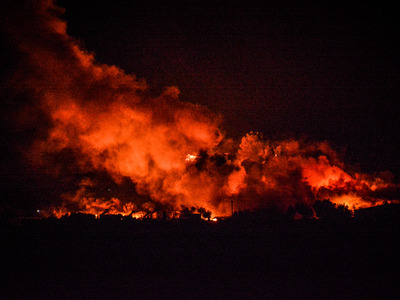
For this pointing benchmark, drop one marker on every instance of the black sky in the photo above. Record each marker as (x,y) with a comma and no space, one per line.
(323,71)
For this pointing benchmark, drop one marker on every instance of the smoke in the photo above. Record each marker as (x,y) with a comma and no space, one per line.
(89,118)
(289,172)
(98,118)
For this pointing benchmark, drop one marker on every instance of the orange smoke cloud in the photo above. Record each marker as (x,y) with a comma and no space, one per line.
(287,173)
(107,118)
(106,121)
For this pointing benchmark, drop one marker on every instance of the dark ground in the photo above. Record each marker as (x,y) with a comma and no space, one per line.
(253,259)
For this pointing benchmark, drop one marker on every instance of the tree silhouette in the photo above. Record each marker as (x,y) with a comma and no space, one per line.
(207,215)
(325,209)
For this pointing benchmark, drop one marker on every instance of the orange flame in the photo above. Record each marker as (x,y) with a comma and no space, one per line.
(110,123)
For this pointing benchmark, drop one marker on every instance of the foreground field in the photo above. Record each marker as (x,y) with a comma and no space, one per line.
(309,259)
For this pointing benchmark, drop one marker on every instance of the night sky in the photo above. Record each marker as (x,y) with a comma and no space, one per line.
(321,71)
(315,72)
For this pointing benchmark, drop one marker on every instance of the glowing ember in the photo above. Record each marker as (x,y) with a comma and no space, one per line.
(190,158)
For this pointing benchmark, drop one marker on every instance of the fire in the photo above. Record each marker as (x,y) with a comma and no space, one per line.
(104,121)
(351,201)
(320,173)
(190,158)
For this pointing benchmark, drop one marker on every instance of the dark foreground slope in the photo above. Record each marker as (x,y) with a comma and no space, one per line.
(100,259)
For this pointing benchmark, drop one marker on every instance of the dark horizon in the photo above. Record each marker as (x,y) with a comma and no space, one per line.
(241,258)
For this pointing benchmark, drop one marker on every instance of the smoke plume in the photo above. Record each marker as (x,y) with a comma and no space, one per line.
(96,126)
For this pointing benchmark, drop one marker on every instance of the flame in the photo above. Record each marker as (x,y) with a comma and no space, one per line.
(190,158)
(103,120)
(351,200)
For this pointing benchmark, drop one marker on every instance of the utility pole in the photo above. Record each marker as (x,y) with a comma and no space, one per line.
(232,206)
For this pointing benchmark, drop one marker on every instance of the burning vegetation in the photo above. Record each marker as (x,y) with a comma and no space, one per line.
(113,148)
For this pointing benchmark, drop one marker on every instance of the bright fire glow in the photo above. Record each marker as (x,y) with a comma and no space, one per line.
(104,121)
(190,158)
